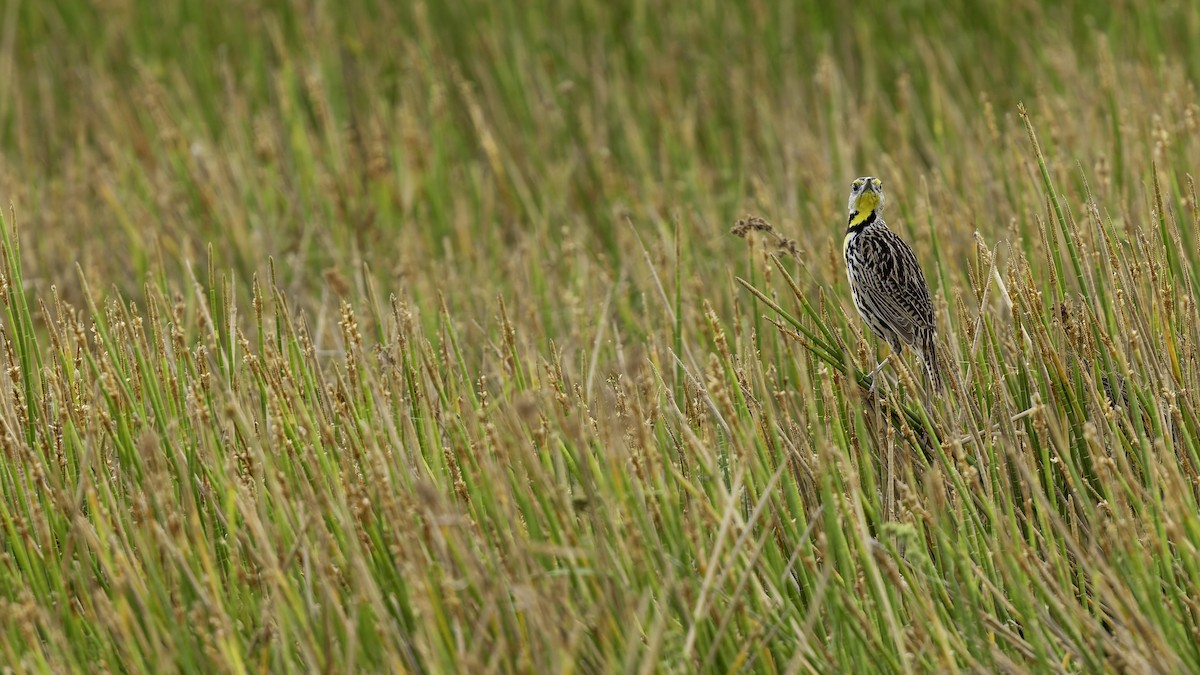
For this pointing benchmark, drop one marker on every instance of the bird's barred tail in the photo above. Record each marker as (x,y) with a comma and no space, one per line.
(929,354)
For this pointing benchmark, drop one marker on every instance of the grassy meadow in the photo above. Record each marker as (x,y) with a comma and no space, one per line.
(476,336)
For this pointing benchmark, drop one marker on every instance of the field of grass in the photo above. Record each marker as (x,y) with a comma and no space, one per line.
(413,337)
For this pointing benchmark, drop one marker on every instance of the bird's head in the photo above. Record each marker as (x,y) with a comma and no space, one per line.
(866,198)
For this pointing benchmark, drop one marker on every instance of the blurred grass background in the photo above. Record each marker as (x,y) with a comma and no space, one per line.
(371,335)
(333,134)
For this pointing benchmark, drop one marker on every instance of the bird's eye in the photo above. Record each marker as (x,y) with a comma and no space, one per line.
(856,184)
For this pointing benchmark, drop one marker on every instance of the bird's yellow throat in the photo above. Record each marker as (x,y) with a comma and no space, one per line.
(864,207)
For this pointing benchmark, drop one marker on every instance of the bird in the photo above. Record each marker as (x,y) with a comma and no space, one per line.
(889,289)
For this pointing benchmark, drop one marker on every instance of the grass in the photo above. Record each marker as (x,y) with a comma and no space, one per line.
(412,337)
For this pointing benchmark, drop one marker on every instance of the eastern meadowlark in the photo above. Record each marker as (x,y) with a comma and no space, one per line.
(889,289)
